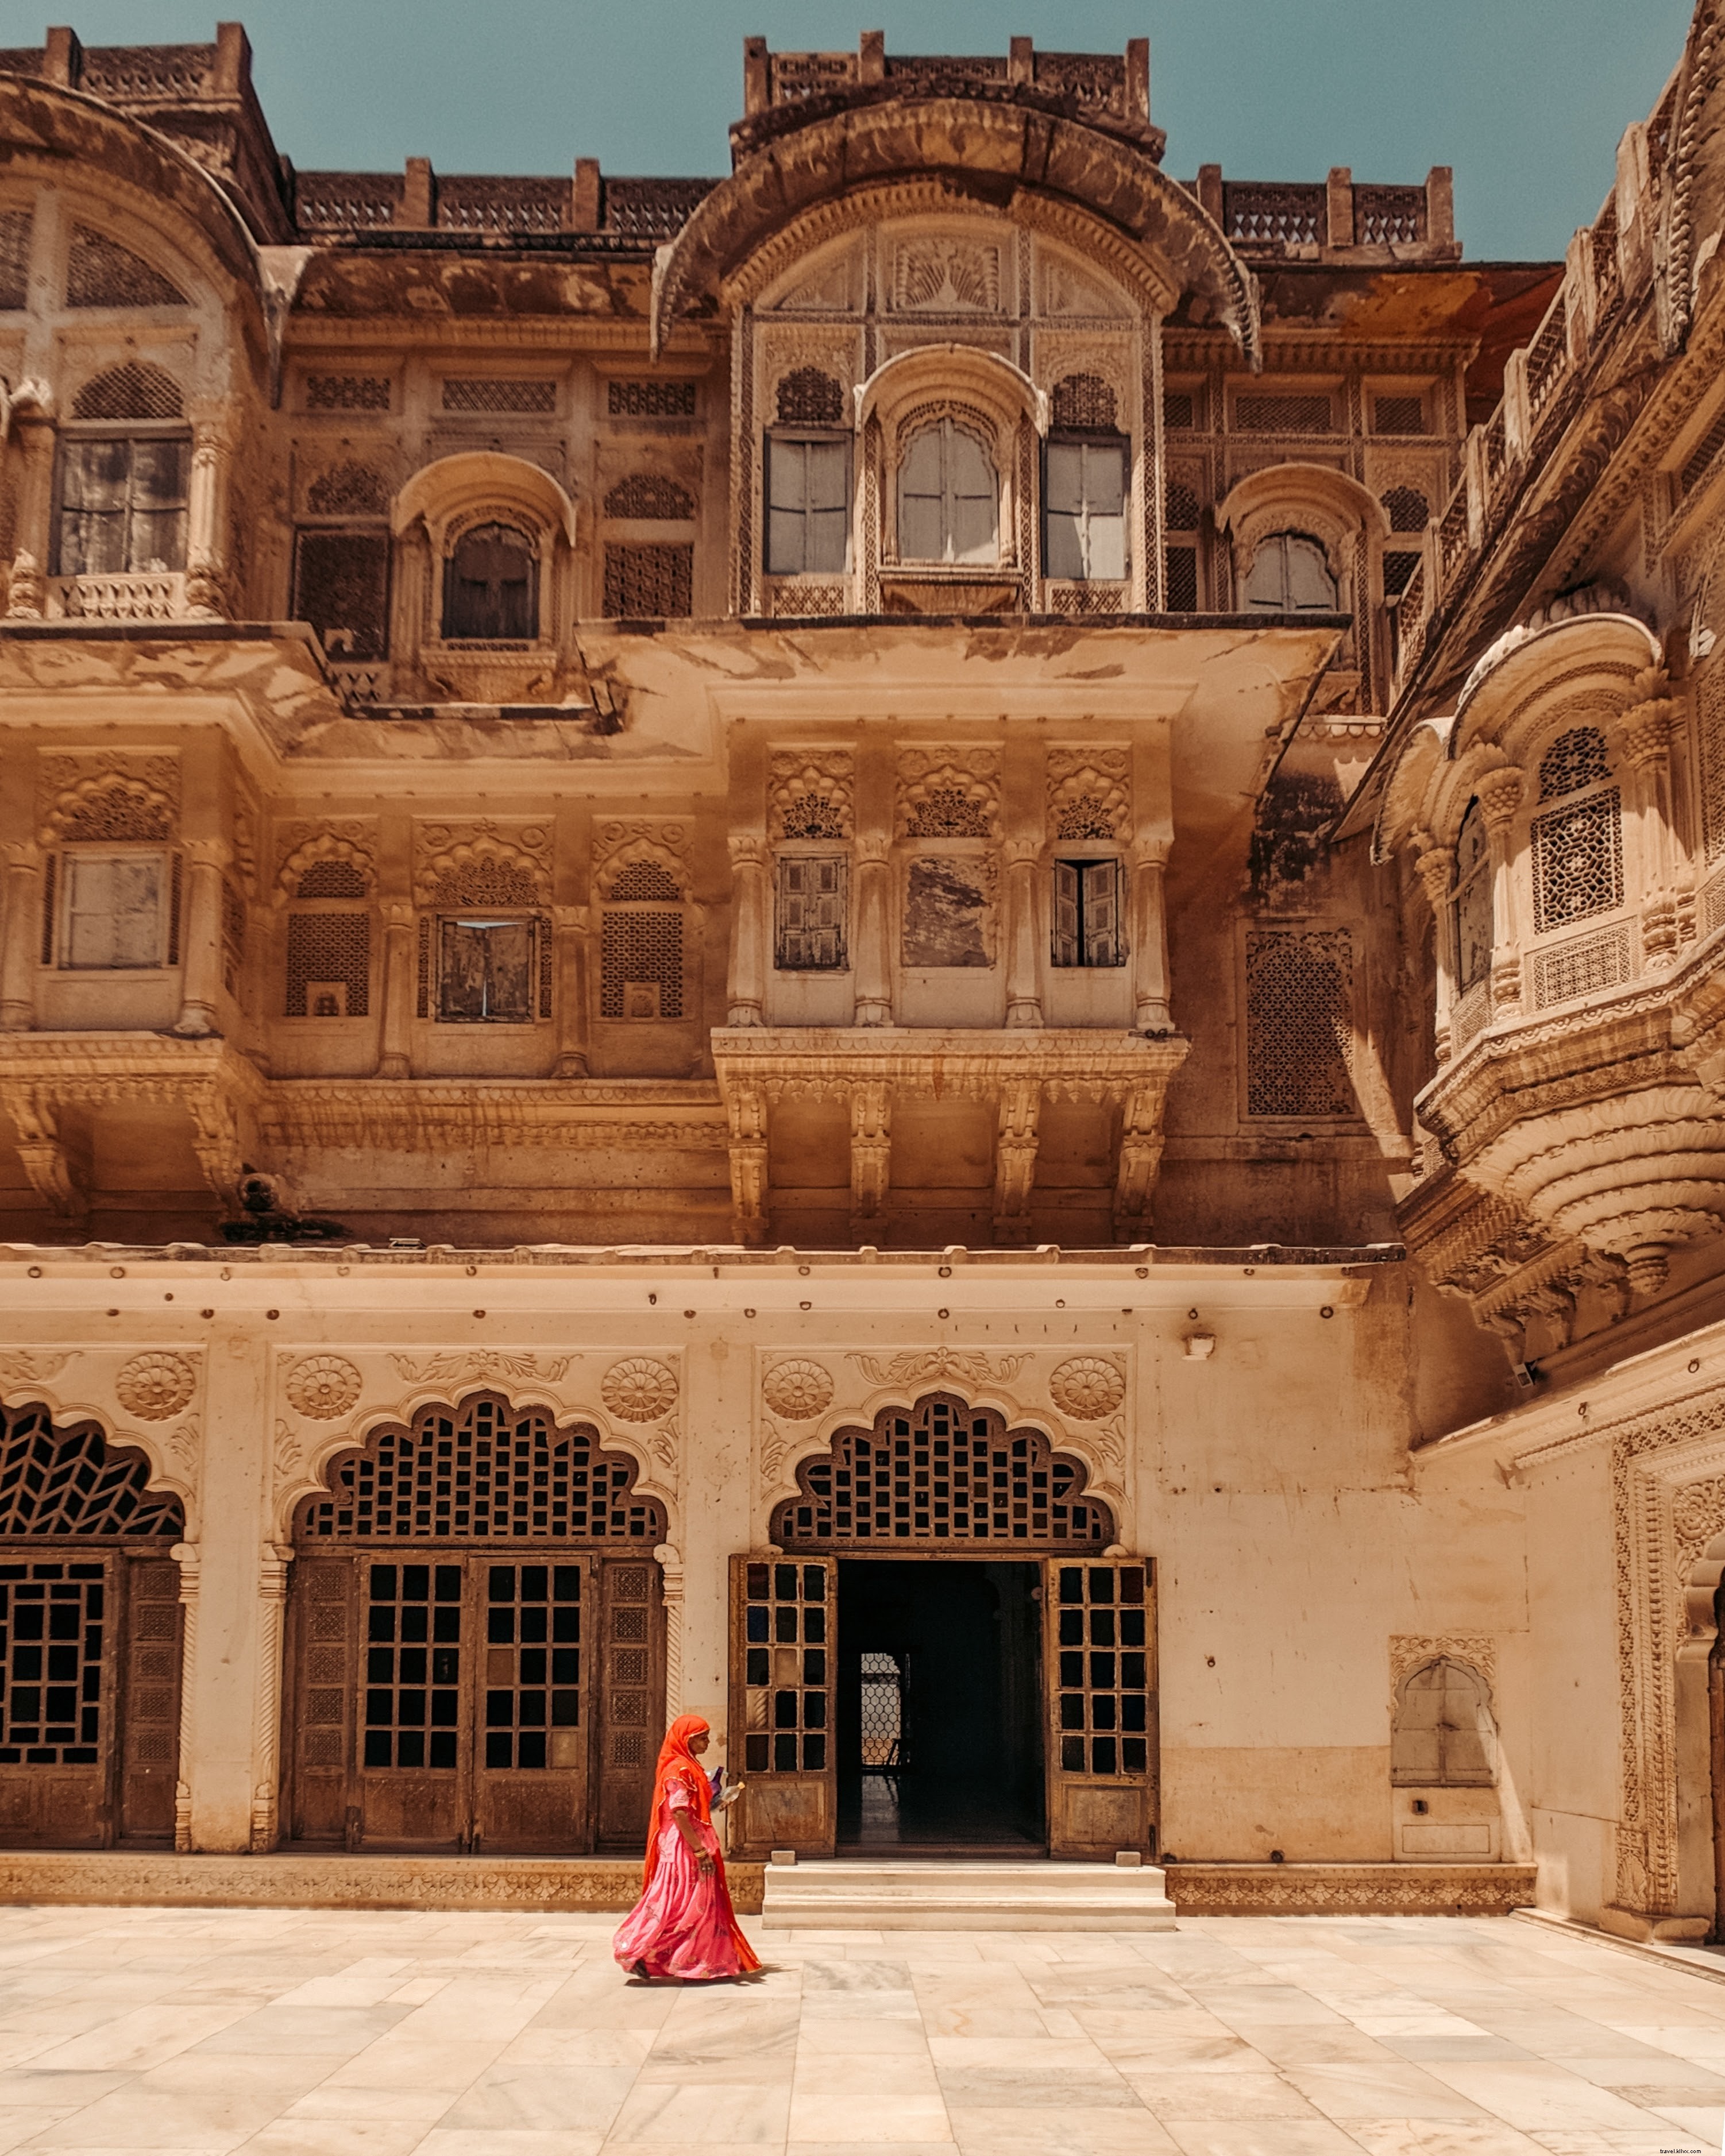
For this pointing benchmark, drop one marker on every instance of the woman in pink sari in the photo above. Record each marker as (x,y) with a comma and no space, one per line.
(683,1926)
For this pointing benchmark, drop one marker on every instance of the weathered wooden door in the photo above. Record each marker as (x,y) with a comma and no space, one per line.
(783,1638)
(531,1744)
(149,1699)
(627,1660)
(1099,1658)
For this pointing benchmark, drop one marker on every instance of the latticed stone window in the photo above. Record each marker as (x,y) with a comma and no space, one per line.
(329,963)
(133,391)
(1710,727)
(348,392)
(349,489)
(14,257)
(101,273)
(948,812)
(641,945)
(341,589)
(1577,861)
(1472,902)
(647,494)
(1574,761)
(1299,1023)
(807,397)
(1083,403)
(1407,509)
(649,584)
(1399,415)
(809,915)
(1270,414)
(1181,409)
(499,394)
(650,400)
(332,879)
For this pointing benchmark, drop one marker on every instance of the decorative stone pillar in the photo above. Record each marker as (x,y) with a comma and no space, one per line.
(208,597)
(1149,938)
(266,1718)
(747,995)
(873,960)
(1647,734)
(1436,867)
(21,944)
(569,924)
(186,1556)
(399,983)
(27,594)
(1500,797)
(870,1157)
(201,944)
(1015,1144)
(670,1563)
(1024,973)
(746,1113)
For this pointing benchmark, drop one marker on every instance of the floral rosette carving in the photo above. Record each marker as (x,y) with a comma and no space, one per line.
(155,1386)
(638,1389)
(322,1386)
(798,1390)
(1087,1387)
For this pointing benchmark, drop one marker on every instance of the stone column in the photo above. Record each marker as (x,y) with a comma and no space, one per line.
(399,983)
(746,1111)
(1023,971)
(1436,867)
(208,596)
(27,593)
(1015,1144)
(201,937)
(870,1157)
(21,945)
(873,960)
(1500,796)
(1646,744)
(1151,1010)
(186,1556)
(671,1563)
(266,1709)
(748,992)
(569,924)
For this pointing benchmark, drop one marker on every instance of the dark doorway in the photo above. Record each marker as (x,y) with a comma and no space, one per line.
(939,1706)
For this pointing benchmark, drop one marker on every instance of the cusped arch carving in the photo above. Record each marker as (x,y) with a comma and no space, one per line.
(628,874)
(480,1469)
(1006,1489)
(486,871)
(326,847)
(1071,166)
(1314,499)
(69,1479)
(954,376)
(477,487)
(109,808)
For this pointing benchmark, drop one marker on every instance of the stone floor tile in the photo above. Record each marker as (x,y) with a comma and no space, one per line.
(394,2062)
(1537,2095)
(538,2045)
(1479,2044)
(819,2114)
(22,2123)
(1030,2087)
(145,2037)
(982,2131)
(274,2028)
(337,2137)
(566,2099)
(1440,2136)
(1208,2096)
(527,2141)
(1300,2044)
(704,2112)
(1277,2136)
(1142,2049)
(1392,2090)
(836,2036)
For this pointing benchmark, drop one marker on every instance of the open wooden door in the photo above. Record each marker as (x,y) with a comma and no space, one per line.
(783,1637)
(1099,1647)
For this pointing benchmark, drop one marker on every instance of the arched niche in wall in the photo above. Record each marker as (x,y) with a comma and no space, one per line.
(495,534)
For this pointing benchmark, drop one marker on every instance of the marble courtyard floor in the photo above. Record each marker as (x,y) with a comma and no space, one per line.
(319,2031)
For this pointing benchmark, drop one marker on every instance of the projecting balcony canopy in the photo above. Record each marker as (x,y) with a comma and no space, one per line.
(990,153)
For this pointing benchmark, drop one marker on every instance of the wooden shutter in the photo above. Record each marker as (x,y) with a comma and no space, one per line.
(786,507)
(628,1667)
(534,1735)
(973,492)
(321,1692)
(113,910)
(1105,509)
(810,937)
(1099,1647)
(1101,910)
(783,1642)
(921,526)
(1063,510)
(150,1740)
(827,545)
(1065,950)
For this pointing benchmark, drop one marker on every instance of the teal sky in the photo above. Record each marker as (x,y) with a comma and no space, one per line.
(1525,98)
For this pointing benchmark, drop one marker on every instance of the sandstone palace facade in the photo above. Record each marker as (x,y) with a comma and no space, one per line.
(926,947)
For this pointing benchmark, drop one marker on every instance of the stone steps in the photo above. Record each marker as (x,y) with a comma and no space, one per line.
(939,1895)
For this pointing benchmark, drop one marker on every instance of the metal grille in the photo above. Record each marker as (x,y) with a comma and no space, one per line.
(1577,861)
(786,1668)
(1282,415)
(341,589)
(413,1666)
(942,1474)
(1582,967)
(333,949)
(349,489)
(646,494)
(51,1627)
(135,391)
(1407,509)
(479,1470)
(532,1665)
(1574,760)
(648,583)
(488,394)
(1299,1026)
(641,965)
(68,1482)
(807,397)
(1399,415)
(100,273)
(883,1677)
(348,392)
(1399,573)
(1104,1676)
(650,400)
(1084,403)
(14,257)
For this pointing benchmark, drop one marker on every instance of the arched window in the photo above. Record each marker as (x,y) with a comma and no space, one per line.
(1578,846)
(490,585)
(1444,1736)
(1291,574)
(125,468)
(1472,901)
(948,498)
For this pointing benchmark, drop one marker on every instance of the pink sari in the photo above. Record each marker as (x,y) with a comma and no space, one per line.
(683,1926)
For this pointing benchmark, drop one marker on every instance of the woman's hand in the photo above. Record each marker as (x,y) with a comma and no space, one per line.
(703,1863)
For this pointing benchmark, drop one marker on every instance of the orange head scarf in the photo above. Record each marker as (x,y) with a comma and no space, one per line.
(677,1763)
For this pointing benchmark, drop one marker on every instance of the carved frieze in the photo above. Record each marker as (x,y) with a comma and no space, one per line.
(935,1366)
(947,276)
(798,1390)
(638,1389)
(1089,795)
(1411,1650)
(479,1366)
(155,1386)
(945,795)
(482,863)
(1087,1387)
(303,847)
(107,798)
(323,1388)
(25,1367)
(809,793)
(626,849)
